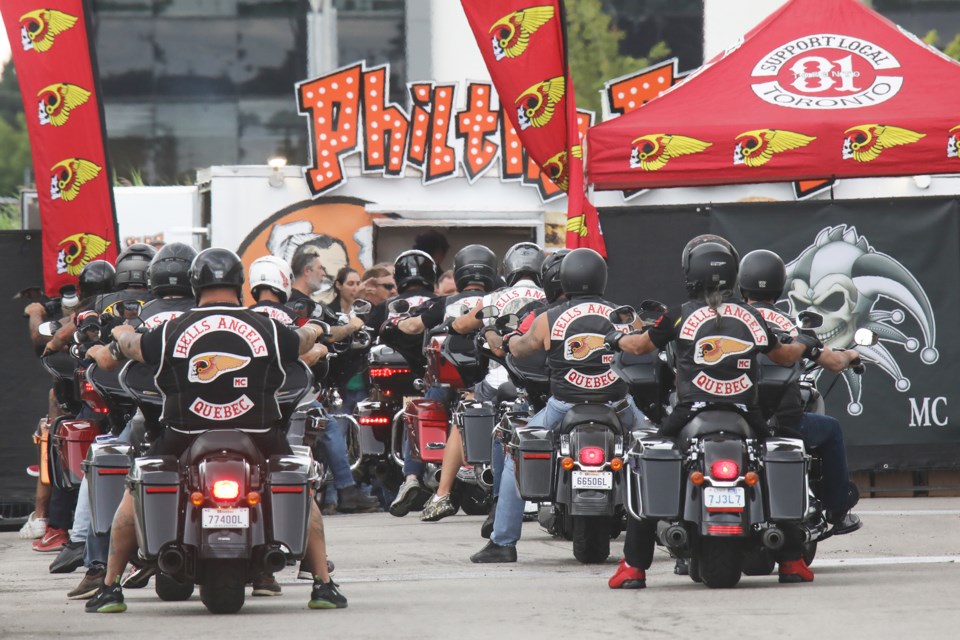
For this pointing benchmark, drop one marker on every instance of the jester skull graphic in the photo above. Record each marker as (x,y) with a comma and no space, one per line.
(841,277)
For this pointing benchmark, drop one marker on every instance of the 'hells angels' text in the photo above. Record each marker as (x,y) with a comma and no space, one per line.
(211,324)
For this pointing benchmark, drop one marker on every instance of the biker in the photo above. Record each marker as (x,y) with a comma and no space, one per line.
(475,273)
(762,278)
(574,378)
(710,267)
(216,276)
(169,281)
(521,272)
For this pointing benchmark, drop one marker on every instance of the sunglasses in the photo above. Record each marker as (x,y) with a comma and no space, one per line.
(388,286)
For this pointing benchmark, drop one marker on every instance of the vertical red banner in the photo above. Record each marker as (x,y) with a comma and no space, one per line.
(56,65)
(523,43)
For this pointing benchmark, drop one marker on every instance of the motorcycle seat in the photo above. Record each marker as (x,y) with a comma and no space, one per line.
(707,422)
(507,392)
(218,440)
(583,413)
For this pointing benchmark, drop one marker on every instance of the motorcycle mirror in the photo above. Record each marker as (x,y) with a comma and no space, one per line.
(489,312)
(651,307)
(623,315)
(810,319)
(361,307)
(75,351)
(865,338)
(131,309)
(361,340)
(48,329)
(399,306)
(509,322)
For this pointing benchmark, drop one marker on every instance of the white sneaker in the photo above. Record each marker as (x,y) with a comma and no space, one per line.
(33,528)
(406,497)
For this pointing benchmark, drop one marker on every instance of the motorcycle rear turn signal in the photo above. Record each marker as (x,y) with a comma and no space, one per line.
(253,498)
(751,478)
(696,478)
(196,498)
(567,463)
(616,464)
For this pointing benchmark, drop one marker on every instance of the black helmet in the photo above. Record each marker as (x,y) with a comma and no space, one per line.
(169,271)
(522,259)
(475,264)
(216,268)
(415,267)
(132,265)
(550,274)
(96,278)
(762,275)
(583,272)
(710,263)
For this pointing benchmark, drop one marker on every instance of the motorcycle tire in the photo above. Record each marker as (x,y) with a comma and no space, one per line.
(591,539)
(169,590)
(224,587)
(693,568)
(809,552)
(721,560)
(475,500)
(758,562)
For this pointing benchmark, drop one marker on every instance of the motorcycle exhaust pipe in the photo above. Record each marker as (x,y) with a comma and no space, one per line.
(171,561)
(274,561)
(675,537)
(773,539)
(485,477)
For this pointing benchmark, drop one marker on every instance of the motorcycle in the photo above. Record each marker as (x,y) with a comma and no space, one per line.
(222,513)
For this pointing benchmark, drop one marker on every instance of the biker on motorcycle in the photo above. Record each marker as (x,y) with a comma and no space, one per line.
(216,276)
(762,278)
(717,338)
(521,271)
(576,376)
(475,273)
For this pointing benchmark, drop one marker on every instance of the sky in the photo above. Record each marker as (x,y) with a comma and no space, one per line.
(4,45)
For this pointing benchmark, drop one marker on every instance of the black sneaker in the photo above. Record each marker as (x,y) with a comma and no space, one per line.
(109,599)
(494,553)
(305,573)
(326,595)
(69,559)
(847,524)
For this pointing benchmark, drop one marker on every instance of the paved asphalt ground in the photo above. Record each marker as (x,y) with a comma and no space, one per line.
(897,578)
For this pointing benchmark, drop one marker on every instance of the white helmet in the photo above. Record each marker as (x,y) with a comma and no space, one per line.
(273,272)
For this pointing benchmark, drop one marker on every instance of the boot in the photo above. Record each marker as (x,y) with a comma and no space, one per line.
(793,571)
(353,500)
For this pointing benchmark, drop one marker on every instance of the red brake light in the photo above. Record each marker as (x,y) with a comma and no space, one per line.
(374,421)
(226,490)
(386,372)
(592,456)
(724,470)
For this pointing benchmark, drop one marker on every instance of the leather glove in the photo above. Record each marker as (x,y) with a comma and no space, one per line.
(506,340)
(812,346)
(612,340)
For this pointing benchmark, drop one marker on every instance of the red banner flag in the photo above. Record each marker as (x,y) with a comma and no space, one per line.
(523,44)
(55,61)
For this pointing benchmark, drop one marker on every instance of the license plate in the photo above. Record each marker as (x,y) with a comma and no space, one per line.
(599,480)
(724,498)
(226,518)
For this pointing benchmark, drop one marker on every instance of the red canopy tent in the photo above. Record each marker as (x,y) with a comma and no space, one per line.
(820,89)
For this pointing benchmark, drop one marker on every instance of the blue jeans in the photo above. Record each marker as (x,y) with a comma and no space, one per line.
(340,481)
(823,433)
(413,467)
(509,518)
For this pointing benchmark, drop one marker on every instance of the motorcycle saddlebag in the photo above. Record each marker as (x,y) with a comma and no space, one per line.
(535,456)
(71,442)
(106,469)
(289,485)
(426,423)
(656,470)
(155,487)
(785,478)
(476,422)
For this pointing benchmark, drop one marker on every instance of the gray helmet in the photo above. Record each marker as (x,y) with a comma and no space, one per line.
(522,259)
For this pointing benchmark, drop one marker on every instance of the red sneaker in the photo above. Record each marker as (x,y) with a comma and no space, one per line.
(52,540)
(627,577)
(795,571)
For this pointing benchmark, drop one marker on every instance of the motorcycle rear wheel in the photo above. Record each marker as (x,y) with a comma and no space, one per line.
(758,562)
(809,552)
(224,586)
(474,500)
(170,590)
(591,539)
(721,560)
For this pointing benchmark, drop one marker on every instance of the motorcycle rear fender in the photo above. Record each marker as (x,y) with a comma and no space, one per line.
(585,502)
(224,543)
(720,447)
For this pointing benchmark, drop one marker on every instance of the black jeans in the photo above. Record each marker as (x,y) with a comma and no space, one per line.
(174,443)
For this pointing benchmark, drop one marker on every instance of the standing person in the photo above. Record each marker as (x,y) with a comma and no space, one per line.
(710,269)
(216,276)
(434,244)
(447,286)
(377,285)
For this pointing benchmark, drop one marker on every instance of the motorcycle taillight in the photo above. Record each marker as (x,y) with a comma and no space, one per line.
(374,421)
(724,470)
(386,372)
(592,456)
(88,393)
(226,490)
